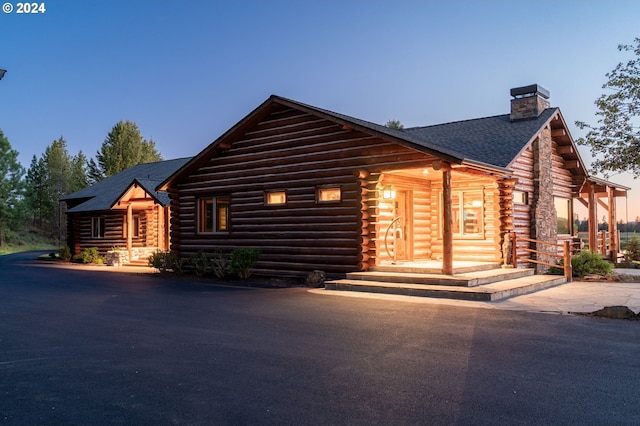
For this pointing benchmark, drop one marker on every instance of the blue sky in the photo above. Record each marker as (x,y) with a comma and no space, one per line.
(186,71)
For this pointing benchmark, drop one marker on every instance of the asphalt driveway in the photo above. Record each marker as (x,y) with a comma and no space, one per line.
(84,347)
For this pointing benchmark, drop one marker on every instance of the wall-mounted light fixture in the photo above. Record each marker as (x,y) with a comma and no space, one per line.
(388,193)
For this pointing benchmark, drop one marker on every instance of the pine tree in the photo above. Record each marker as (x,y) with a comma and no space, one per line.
(11,186)
(123,148)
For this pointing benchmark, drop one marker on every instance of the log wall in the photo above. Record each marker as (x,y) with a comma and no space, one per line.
(564,185)
(79,238)
(484,247)
(290,150)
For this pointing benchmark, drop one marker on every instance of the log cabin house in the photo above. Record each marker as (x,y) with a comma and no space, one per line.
(122,211)
(313,189)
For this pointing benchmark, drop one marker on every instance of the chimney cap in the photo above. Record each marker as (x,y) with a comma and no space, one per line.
(531,90)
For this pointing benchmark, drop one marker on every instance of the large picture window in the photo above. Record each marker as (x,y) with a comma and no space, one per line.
(213,215)
(563,214)
(97,227)
(467,213)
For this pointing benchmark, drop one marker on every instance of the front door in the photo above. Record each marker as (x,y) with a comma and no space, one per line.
(403,230)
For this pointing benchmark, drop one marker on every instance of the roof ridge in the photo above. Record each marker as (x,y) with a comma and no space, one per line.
(468,120)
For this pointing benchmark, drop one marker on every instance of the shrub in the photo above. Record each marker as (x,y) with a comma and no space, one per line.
(242,261)
(219,263)
(65,253)
(165,261)
(633,248)
(200,263)
(88,255)
(586,262)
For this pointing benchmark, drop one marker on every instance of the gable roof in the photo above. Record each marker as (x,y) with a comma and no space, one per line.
(489,143)
(104,195)
(415,141)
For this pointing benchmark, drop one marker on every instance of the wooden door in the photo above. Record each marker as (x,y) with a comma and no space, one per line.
(403,232)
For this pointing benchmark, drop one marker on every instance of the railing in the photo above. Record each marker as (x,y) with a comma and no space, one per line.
(565,256)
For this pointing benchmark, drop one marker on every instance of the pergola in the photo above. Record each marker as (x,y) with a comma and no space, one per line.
(600,192)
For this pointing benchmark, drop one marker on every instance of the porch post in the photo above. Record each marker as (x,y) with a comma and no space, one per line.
(447,232)
(593,220)
(129,226)
(613,226)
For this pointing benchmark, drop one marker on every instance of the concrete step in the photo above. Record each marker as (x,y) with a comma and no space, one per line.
(486,292)
(470,279)
(413,268)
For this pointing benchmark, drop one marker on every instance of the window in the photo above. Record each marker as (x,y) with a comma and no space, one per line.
(135,226)
(563,215)
(328,195)
(213,215)
(520,197)
(467,213)
(97,227)
(274,198)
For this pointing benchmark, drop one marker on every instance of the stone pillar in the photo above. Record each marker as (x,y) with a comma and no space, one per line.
(544,219)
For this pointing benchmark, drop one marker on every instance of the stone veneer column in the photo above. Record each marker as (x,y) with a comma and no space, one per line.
(544,217)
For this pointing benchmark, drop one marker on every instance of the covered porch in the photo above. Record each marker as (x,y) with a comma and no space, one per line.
(442,219)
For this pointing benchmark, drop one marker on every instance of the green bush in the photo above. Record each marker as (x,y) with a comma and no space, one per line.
(586,263)
(88,255)
(242,262)
(65,253)
(165,261)
(200,263)
(219,263)
(633,248)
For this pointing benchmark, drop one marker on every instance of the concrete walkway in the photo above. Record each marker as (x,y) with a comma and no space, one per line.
(575,297)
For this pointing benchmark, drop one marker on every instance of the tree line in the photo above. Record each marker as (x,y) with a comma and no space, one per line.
(30,198)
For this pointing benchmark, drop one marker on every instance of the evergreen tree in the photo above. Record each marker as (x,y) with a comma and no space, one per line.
(123,148)
(11,186)
(395,124)
(49,179)
(36,190)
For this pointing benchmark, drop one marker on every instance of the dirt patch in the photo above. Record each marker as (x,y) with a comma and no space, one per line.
(614,312)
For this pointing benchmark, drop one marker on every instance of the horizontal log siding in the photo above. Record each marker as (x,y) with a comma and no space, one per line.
(486,248)
(296,152)
(523,171)
(563,186)
(113,235)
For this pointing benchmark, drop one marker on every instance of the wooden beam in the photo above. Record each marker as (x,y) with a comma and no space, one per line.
(603,204)
(593,221)
(447,216)
(583,202)
(129,230)
(565,149)
(572,164)
(556,133)
(613,231)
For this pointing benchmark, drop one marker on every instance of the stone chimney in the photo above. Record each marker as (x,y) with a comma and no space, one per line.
(528,102)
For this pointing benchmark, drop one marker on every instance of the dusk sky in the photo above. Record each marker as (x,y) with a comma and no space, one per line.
(186,71)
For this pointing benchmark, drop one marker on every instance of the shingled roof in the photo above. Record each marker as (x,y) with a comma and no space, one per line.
(104,194)
(492,140)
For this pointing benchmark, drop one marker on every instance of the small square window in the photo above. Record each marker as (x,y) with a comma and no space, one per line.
(273,198)
(520,197)
(328,195)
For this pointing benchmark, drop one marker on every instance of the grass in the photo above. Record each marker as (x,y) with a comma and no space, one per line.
(27,239)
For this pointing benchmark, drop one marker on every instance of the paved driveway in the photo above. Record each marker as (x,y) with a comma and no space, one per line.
(83,347)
